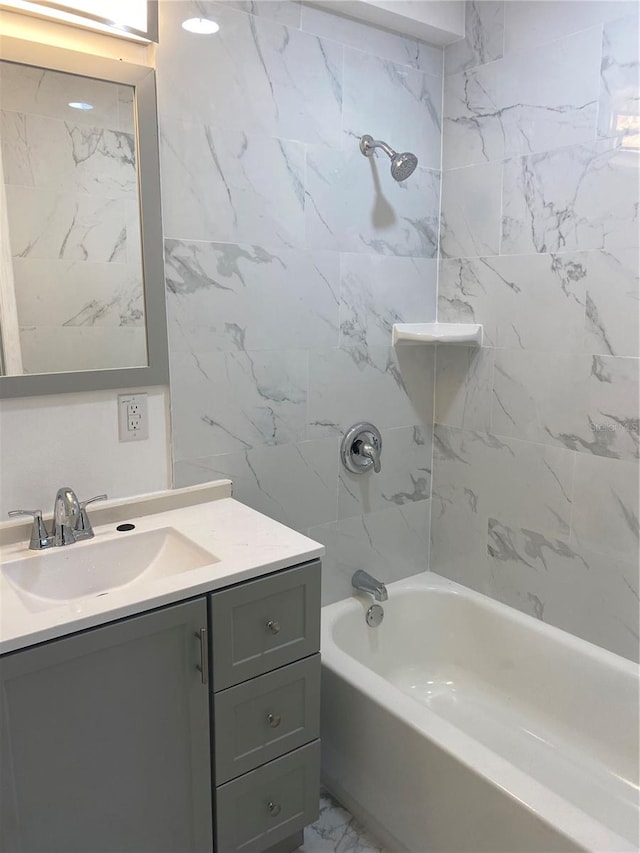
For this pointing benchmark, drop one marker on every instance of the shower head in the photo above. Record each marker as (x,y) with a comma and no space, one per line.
(402,165)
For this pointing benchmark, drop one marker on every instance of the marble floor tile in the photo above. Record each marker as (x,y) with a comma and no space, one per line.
(337,830)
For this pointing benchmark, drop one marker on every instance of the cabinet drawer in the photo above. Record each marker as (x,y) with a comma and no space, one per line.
(261,719)
(265,806)
(264,624)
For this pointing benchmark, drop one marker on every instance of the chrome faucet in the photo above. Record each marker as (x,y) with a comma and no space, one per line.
(70,521)
(367,583)
(66,515)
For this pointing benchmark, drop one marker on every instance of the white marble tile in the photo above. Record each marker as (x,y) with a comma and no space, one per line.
(230,187)
(484,35)
(38,151)
(372,39)
(472,116)
(58,349)
(375,384)
(294,78)
(605,511)
(533,101)
(470,219)
(458,535)
(464,383)
(405,475)
(530,22)
(285,12)
(377,291)
(224,296)
(619,113)
(390,544)
(37,91)
(394,103)
(338,831)
(354,205)
(523,301)
(126,112)
(578,401)
(224,402)
(524,484)
(293,483)
(70,227)
(582,197)
(613,303)
(78,293)
(590,595)
(550,94)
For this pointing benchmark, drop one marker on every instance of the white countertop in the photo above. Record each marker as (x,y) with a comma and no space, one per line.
(246,544)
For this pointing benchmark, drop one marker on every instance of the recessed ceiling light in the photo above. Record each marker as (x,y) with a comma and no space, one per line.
(80,105)
(202,26)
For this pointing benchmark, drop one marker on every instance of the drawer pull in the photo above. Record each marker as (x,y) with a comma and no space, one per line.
(274,627)
(203,666)
(273,720)
(274,809)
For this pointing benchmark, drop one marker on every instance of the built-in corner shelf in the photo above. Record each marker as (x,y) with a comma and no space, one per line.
(467,334)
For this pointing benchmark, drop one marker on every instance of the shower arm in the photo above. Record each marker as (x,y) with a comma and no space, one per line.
(367,144)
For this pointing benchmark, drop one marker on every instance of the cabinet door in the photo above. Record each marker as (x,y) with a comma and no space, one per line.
(105,740)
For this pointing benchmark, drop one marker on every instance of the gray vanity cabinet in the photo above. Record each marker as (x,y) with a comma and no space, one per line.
(105,740)
(122,738)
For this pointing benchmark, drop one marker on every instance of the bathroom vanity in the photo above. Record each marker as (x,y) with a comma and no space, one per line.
(182,716)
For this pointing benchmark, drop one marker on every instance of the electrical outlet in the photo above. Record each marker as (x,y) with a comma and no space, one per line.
(133,421)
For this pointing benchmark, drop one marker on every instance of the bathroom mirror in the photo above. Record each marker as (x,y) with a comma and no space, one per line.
(82,302)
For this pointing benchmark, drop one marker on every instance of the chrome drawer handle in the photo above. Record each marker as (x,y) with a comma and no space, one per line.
(274,627)
(274,809)
(273,720)
(203,666)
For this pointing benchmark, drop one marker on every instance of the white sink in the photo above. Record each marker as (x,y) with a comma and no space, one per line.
(95,568)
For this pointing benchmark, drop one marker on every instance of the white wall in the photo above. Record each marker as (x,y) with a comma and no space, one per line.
(72,440)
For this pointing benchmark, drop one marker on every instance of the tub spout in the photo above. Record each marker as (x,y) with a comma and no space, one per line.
(367,583)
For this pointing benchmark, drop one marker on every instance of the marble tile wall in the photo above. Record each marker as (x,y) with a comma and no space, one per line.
(72,200)
(288,258)
(536,443)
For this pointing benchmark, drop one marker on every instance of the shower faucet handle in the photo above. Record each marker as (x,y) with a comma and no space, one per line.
(361,448)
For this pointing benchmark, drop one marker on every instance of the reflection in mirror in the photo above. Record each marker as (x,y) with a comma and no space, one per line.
(71,283)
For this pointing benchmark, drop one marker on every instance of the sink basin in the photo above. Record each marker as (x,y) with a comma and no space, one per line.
(96,568)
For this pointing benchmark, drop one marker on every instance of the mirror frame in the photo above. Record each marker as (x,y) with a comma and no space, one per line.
(142,79)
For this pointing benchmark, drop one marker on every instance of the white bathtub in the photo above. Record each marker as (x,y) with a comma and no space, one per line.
(460,724)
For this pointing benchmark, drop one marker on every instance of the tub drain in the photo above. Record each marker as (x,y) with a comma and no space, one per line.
(375,615)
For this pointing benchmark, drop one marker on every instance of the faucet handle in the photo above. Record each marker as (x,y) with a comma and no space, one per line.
(39,536)
(83,528)
(83,504)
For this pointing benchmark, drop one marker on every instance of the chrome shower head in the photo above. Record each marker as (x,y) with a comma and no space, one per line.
(402,165)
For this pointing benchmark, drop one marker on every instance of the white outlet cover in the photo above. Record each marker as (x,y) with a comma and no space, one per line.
(140,421)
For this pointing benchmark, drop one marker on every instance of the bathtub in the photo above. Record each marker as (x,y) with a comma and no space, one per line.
(461,725)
